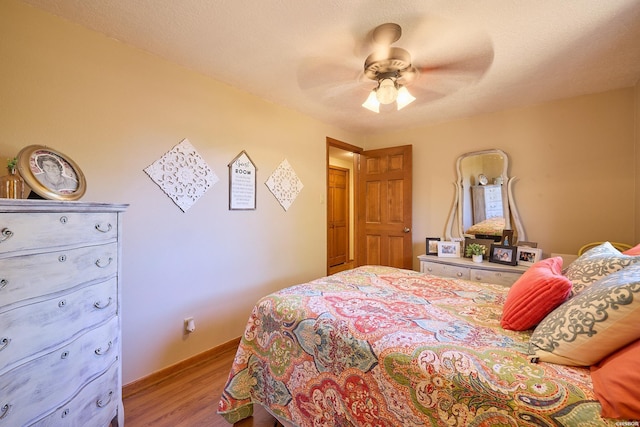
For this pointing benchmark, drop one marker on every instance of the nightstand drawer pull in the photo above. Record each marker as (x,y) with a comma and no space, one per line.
(5,411)
(4,342)
(100,352)
(62,258)
(3,283)
(62,303)
(101,306)
(6,234)
(459,274)
(103,264)
(101,403)
(100,228)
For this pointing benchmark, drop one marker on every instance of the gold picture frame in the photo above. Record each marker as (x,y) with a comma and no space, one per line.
(51,174)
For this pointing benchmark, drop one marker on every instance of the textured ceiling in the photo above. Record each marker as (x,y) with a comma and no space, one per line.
(308,55)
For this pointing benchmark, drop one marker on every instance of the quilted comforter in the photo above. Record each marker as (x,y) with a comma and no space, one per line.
(378,346)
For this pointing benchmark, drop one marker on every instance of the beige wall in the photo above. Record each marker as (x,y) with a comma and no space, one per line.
(115,110)
(636,190)
(574,160)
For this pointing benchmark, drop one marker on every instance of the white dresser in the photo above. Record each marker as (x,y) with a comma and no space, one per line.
(487,202)
(60,359)
(465,268)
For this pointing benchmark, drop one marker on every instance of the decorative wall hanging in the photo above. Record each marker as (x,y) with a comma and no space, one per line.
(284,184)
(182,174)
(242,183)
(50,174)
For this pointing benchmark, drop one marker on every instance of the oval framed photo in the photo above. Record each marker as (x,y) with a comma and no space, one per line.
(51,174)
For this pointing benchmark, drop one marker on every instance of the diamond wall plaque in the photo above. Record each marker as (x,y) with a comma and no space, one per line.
(182,174)
(284,184)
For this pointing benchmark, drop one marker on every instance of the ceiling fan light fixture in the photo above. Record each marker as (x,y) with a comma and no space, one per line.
(387,92)
(372,103)
(404,98)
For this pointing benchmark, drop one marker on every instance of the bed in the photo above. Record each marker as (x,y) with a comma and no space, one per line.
(379,346)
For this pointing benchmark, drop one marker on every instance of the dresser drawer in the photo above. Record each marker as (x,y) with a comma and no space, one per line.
(58,320)
(51,380)
(445,270)
(31,276)
(19,231)
(95,405)
(505,278)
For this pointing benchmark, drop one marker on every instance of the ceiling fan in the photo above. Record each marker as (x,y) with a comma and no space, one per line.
(438,57)
(391,68)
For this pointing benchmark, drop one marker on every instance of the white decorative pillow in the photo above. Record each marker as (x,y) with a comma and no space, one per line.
(598,321)
(595,264)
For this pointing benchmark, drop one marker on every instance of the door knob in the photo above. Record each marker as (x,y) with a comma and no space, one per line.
(406,229)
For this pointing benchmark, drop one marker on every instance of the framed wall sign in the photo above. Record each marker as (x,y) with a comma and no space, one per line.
(51,174)
(242,183)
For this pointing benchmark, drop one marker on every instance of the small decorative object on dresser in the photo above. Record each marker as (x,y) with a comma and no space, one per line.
(503,254)
(475,251)
(449,249)
(432,245)
(483,242)
(11,185)
(507,238)
(60,358)
(50,174)
(528,256)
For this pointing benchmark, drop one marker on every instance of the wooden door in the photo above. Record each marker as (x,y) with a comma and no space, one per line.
(338,221)
(384,213)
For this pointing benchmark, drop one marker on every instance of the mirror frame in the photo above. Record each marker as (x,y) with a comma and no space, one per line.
(512,217)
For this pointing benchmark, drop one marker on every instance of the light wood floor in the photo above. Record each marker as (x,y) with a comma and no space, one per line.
(189,399)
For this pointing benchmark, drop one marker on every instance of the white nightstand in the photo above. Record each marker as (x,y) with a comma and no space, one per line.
(465,268)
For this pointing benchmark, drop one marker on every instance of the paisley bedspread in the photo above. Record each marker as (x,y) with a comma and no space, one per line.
(378,346)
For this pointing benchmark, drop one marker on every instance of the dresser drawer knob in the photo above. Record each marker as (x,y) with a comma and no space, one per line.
(100,352)
(64,354)
(459,274)
(64,219)
(62,258)
(101,306)
(101,228)
(62,303)
(5,234)
(64,413)
(4,342)
(5,411)
(3,283)
(101,402)
(429,269)
(104,264)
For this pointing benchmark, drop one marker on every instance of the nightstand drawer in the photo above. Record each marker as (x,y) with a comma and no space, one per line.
(19,232)
(445,270)
(505,278)
(22,278)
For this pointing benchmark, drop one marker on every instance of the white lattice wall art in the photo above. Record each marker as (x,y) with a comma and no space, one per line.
(182,174)
(284,184)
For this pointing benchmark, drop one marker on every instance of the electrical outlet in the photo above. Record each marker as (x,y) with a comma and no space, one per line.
(189,325)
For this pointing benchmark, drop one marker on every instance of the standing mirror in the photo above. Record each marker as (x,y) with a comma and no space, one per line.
(483,205)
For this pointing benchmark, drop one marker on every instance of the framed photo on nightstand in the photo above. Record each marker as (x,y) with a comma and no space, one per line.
(449,249)
(432,245)
(528,256)
(503,254)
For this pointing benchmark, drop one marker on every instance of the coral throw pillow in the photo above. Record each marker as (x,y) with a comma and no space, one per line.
(535,294)
(633,251)
(615,383)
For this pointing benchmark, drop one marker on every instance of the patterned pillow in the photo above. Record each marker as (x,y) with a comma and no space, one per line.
(595,264)
(593,324)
